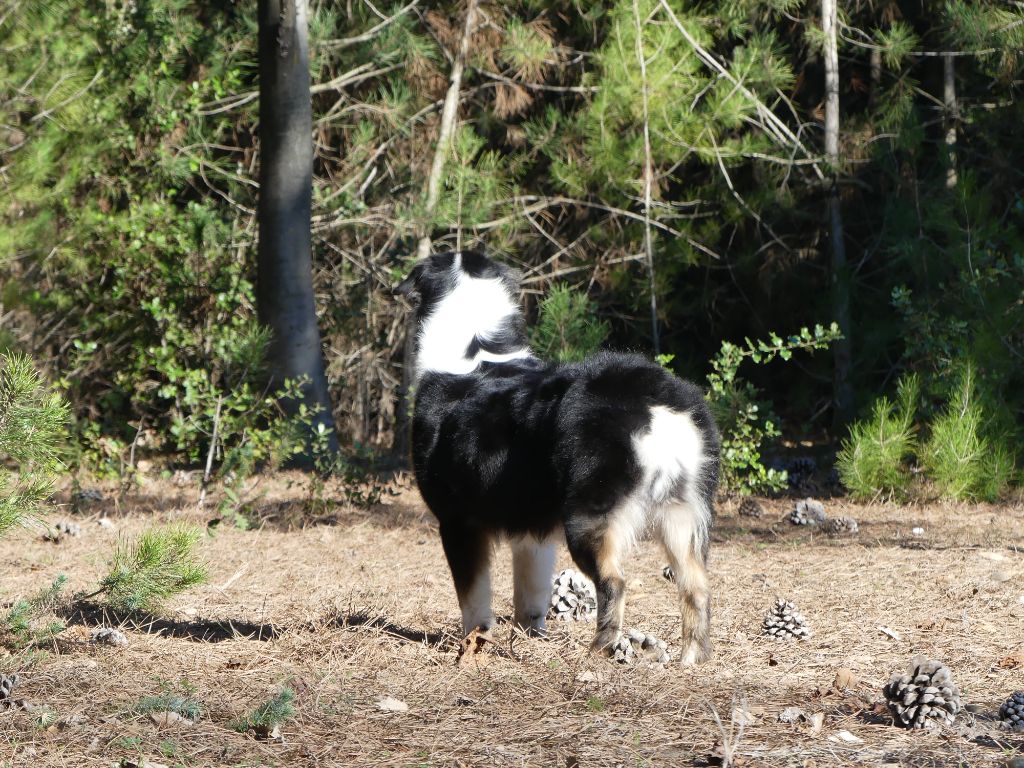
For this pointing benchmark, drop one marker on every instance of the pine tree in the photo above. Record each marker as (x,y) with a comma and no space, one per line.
(32,418)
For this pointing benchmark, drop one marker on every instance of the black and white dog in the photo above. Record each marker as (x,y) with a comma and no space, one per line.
(505,444)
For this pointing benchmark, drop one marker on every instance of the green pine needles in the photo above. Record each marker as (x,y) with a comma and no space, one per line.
(269,715)
(872,460)
(567,327)
(961,458)
(964,457)
(32,418)
(30,621)
(157,565)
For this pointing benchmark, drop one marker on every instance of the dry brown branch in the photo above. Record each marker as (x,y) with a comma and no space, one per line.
(448,114)
(371,33)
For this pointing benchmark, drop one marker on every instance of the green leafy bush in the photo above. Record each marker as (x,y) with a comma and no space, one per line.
(871,461)
(157,565)
(32,418)
(734,404)
(961,456)
(567,327)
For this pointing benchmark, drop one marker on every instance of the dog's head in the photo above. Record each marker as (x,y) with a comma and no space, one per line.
(437,276)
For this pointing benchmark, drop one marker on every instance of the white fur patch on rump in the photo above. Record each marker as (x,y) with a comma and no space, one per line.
(671,449)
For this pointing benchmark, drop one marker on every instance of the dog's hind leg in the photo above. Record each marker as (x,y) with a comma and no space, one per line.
(682,529)
(598,549)
(533,561)
(468,551)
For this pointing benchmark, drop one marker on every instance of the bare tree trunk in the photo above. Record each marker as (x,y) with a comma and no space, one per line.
(842,392)
(949,100)
(284,261)
(648,174)
(431,194)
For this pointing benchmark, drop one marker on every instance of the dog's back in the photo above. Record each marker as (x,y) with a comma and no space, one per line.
(520,447)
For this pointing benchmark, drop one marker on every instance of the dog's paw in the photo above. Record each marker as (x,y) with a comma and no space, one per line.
(633,646)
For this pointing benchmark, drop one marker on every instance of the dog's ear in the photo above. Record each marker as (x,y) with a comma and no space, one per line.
(409,288)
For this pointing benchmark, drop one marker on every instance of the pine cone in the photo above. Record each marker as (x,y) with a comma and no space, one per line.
(634,644)
(7,683)
(808,512)
(573,597)
(1012,712)
(108,636)
(840,525)
(750,508)
(924,696)
(62,529)
(783,622)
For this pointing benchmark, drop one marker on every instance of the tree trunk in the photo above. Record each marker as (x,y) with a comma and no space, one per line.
(842,392)
(949,100)
(284,289)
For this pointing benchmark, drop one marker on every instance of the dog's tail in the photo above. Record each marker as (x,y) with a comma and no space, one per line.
(678,455)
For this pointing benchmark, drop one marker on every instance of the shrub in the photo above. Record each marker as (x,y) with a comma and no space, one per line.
(871,460)
(961,457)
(157,565)
(567,328)
(31,420)
(734,404)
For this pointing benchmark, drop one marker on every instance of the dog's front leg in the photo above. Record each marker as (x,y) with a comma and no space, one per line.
(468,550)
(533,562)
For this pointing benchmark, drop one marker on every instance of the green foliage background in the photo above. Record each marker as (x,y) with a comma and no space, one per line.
(130,147)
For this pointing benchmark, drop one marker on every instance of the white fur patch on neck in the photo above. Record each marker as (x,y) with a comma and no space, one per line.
(475,308)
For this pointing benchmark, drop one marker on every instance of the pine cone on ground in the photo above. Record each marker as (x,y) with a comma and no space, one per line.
(750,508)
(62,529)
(573,597)
(924,696)
(808,512)
(837,526)
(7,683)
(108,636)
(784,622)
(634,644)
(1012,712)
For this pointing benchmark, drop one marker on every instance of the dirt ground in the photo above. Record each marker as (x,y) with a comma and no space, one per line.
(356,606)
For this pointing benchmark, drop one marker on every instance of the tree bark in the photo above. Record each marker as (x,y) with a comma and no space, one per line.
(842,387)
(284,289)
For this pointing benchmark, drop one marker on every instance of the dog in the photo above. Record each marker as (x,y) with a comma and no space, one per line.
(508,445)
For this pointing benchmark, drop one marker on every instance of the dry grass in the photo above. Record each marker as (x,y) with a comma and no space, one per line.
(360,607)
